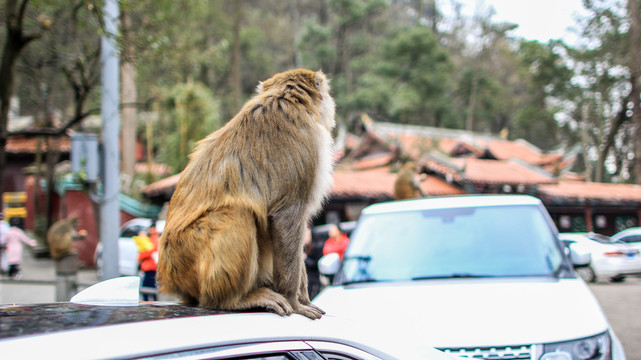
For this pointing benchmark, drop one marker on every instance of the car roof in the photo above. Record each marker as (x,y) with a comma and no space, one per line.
(32,319)
(457,201)
(628,231)
(150,329)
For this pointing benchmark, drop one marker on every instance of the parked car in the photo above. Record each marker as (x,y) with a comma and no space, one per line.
(479,276)
(127,248)
(630,235)
(609,258)
(168,331)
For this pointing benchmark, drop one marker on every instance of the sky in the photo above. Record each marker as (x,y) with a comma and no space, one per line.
(540,20)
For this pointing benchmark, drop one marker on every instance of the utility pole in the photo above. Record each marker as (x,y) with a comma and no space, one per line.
(109,205)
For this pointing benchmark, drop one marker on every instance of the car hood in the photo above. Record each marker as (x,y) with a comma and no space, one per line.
(473,312)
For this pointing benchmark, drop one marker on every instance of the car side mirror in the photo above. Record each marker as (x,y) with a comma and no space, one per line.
(328,265)
(579,258)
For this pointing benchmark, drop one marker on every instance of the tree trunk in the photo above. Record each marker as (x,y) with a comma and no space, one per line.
(469,122)
(585,142)
(129,99)
(15,41)
(635,74)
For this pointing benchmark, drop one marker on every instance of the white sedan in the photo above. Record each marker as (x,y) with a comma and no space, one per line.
(127,248)
(122,328)
(609,258)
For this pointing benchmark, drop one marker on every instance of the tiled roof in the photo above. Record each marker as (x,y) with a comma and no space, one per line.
(166,185)
(489,171)
(417,140)
(376,183)
(520,149)
(27,145)
(369,162)
(379,183)
(587,190)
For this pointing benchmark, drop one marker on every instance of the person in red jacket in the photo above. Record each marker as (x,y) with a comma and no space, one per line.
(337,242)
(148,262)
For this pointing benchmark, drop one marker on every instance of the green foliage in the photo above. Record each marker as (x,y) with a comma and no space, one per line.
(189,113)
(461,72)
(411,83)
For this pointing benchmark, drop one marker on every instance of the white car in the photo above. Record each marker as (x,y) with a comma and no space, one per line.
(168,331)
(127,248)
(609,258)
(477,276)
(631,236)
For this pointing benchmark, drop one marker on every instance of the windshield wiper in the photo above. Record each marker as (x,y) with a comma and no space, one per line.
(364,281)
(453,276)
(358,257)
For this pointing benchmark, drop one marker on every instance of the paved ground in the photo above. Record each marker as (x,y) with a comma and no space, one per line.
(620,301)
(38,282)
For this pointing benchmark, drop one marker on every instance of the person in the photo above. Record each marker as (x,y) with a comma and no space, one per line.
(311,266)
(148,259)
(14,238)
(4,228)
(337,242)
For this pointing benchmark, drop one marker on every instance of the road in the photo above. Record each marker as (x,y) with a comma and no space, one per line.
(621,303)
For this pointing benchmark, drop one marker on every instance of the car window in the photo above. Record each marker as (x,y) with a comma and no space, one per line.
(484,241)
(631,238)
(132,231)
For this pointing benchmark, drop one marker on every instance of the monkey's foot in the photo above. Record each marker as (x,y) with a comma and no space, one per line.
(269,299)
(311,311)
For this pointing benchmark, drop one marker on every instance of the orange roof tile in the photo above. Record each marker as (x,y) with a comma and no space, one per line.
(586,190)
(27,145)
(370,162)
(378,183)
(163,186)
(373,183)
(504,150)
(490,171)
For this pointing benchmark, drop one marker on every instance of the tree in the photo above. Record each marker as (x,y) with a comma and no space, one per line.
(635,81)
(17,38)
(603,98)
(190,113)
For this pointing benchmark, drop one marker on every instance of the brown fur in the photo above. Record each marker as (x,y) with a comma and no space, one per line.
(407,185)
(60,237)
(234,233)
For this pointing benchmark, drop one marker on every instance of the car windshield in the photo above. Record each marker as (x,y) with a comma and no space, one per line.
(500,241)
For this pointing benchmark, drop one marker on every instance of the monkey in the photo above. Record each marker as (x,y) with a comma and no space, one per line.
(234,232)
(60,237)
(407,184)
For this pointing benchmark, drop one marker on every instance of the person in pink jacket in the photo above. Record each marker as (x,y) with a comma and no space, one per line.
(13,240)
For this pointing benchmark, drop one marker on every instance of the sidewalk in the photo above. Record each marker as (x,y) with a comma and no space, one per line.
(38,282)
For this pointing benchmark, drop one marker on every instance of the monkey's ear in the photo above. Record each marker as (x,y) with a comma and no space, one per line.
(259,87)
(321,81)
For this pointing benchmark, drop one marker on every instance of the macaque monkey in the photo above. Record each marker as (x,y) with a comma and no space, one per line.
(60,237)
(407,184)
(235,228)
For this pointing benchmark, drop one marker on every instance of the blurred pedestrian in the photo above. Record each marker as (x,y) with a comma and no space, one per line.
(148,260)
(4,263)
(337,242)
(14,238)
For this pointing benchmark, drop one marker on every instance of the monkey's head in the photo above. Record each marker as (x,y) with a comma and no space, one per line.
(410,166)
(314,83)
